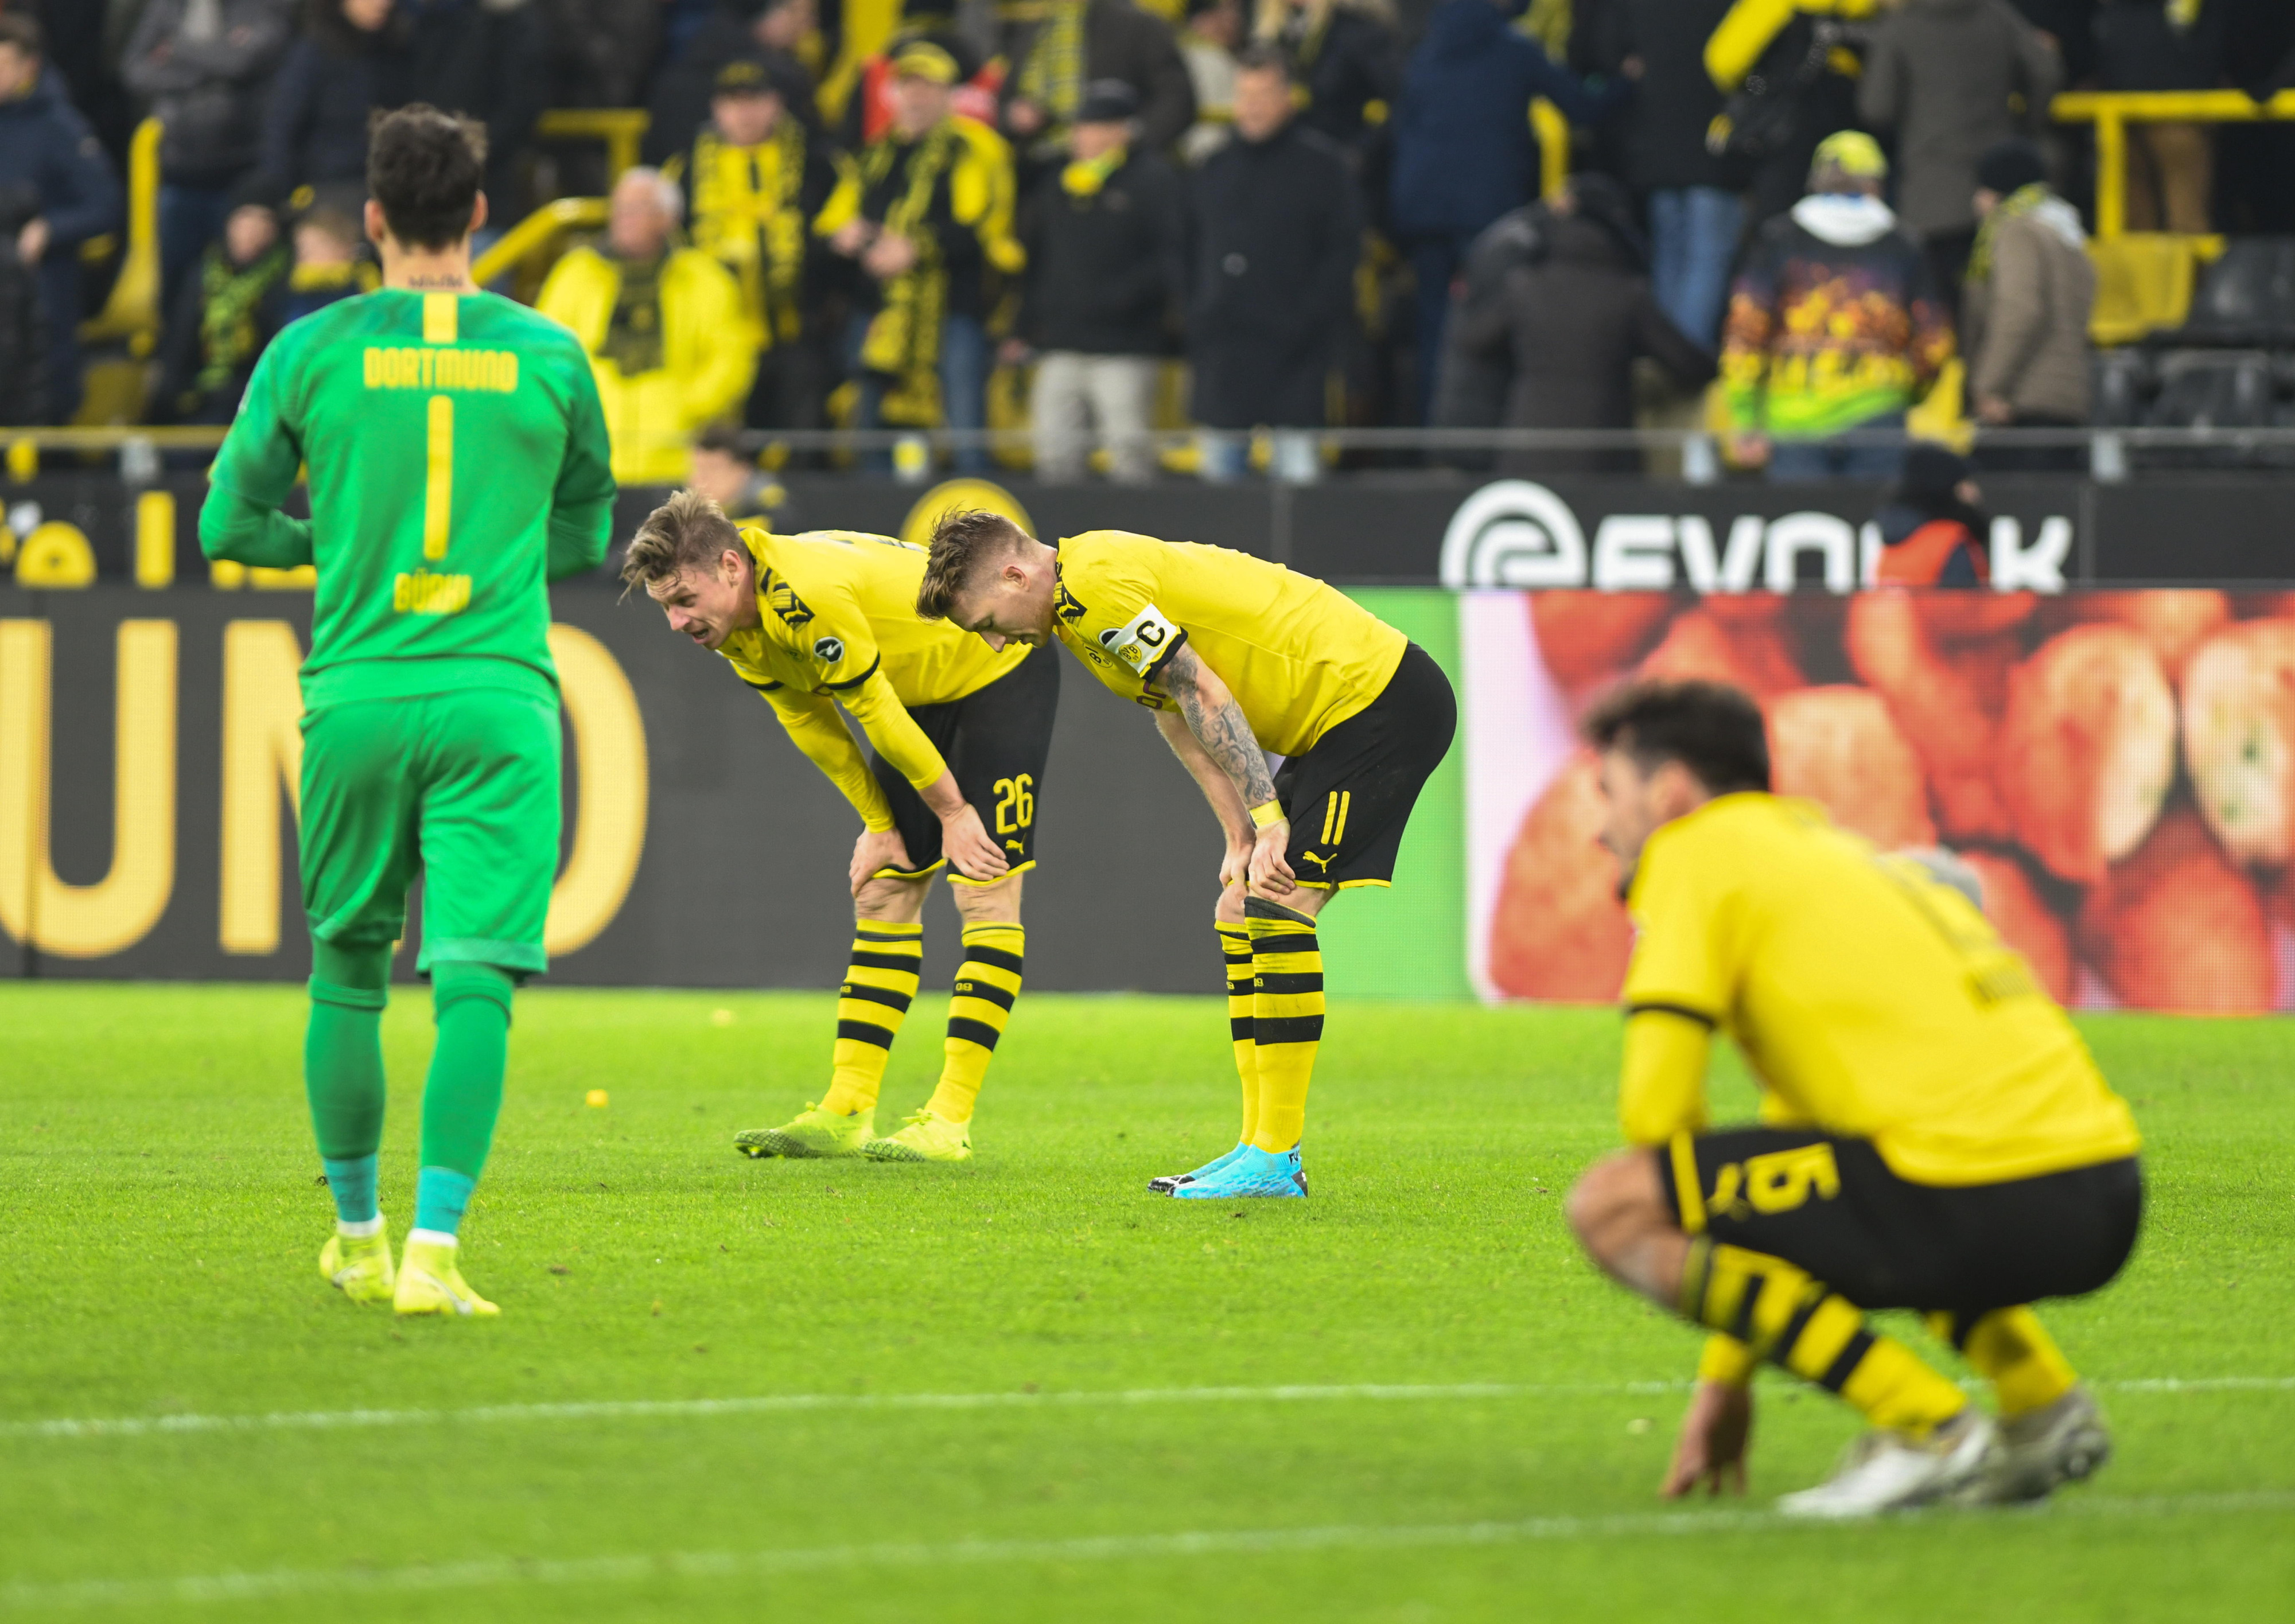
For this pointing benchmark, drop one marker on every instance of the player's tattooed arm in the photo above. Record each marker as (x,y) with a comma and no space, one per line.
(1218,723)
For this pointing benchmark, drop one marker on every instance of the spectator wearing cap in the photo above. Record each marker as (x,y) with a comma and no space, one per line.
(668,340)
(66,192)
(2025,307)
(1107,242)
(1215,29)
(1567,323)
(1464,153)
(925,214)
(231,303)
(1278,230)
(754,178)
(1931,530)
(727,475)
(1951,79)
(1076,43)
(869,111)
(204,68)
(1834,328)
(770,32)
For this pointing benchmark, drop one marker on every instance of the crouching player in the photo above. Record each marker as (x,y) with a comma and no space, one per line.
(457,457)
(811,620)
(1935,1134)
(1238,658)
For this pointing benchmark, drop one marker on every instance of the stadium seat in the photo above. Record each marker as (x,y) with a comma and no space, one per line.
(2143,283)
(2123,383)
(2202,388)
(2247,297)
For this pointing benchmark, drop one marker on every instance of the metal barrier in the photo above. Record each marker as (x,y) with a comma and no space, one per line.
(2113,111)
(2111,455)
(621,129)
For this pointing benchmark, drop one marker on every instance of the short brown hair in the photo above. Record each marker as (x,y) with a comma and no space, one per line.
(1711,728)
(687,532)
(20,30)
(963,540)
(425,168)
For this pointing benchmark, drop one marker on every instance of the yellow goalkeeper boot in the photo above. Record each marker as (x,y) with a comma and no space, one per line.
(811,1132)
(359,1266)
(923,1137)
(429,1283)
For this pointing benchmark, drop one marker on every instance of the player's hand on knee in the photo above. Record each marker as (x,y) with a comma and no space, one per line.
(968,847)
(1715,1436)
(877,849)
(1270,874)
(1235,868)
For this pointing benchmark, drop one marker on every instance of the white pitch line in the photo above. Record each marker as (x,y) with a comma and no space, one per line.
(674,1409)
(486,1572)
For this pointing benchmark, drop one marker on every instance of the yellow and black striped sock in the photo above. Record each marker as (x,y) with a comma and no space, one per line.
(879,984)
(1794,1321)
(1234,947)
(1286,1017)
(2010,1348)
(986,983)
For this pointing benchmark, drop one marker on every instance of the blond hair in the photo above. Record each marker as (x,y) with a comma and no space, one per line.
(687,532)
(963,540)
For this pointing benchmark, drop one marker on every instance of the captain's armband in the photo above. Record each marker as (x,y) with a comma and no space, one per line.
(1144,642)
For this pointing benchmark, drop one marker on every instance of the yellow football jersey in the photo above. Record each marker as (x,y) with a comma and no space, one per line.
(1870,999)
(839,624)
(1300,657)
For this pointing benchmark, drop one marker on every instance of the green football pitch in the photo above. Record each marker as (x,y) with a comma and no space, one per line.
(1023,1388)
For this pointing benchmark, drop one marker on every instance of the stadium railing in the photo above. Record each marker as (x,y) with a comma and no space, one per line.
(2112,111)
(2109,455)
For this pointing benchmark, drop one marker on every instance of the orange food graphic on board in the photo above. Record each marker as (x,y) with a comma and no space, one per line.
(1559,930)
(1839,746)
(2087,751)
(2177,926)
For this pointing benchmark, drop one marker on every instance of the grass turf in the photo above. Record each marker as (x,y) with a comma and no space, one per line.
(156,1187)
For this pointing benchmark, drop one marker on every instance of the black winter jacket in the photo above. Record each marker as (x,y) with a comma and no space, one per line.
(1277,232)
(1106,272)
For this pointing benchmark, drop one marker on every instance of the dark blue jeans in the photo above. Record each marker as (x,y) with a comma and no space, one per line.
(963,388)
(1805,462)
(1693,237)
(1434,261)
(190,218)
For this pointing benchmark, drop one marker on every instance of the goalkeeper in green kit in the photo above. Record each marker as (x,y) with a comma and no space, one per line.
(458,459)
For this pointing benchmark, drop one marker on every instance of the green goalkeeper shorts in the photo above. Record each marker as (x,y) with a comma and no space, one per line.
(460,788)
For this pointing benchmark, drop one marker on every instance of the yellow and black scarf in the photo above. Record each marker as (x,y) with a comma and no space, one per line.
(748,212)
(2023,200)
(1052,78)
(903,338)
(232,297)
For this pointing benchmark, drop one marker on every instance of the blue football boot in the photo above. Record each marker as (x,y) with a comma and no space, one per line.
(1169,1182)
(1250,1171)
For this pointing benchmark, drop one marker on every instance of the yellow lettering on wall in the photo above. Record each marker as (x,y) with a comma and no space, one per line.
(118,910)
(155,539)
(301,578)
(610,820)
(262,746)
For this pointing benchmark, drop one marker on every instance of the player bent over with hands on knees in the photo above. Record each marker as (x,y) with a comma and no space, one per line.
(458,458)
(829,617)
(1238,658)
(1935,1135)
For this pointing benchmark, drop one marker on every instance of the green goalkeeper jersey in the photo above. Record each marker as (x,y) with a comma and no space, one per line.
(458,459)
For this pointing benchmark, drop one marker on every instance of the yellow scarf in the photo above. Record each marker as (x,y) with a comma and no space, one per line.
(903,338)
(1084,177)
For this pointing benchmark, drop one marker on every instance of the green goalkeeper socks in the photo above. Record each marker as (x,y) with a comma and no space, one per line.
(463,1094)
(342,1070)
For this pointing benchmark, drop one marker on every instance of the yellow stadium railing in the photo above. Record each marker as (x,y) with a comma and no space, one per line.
(621,129)
(535,232)
(2112,111)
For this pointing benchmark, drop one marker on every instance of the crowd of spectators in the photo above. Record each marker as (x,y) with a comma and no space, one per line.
(1329,211)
